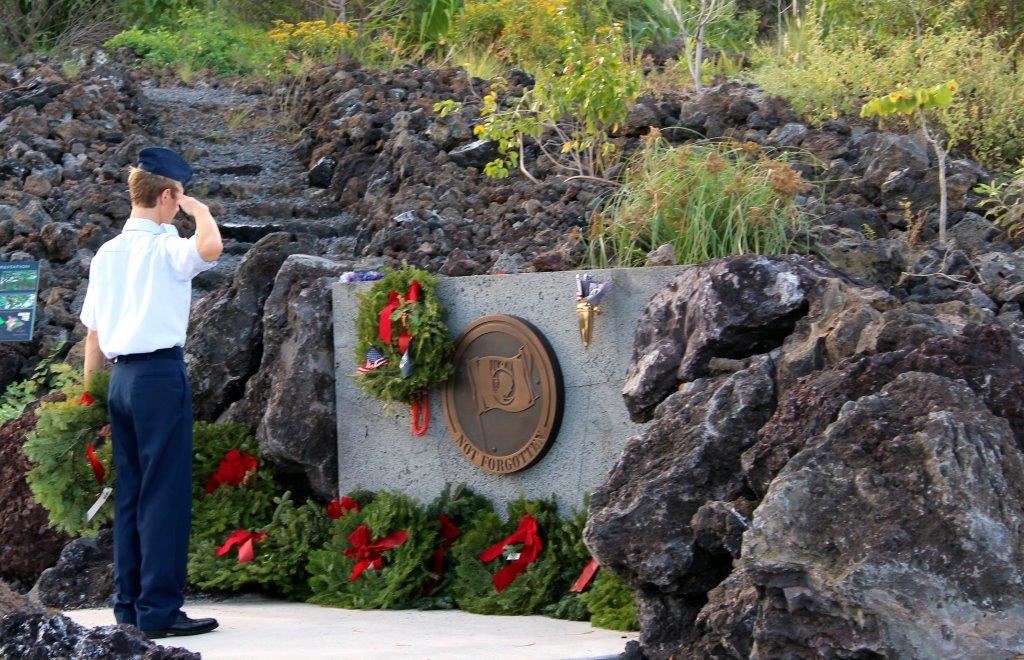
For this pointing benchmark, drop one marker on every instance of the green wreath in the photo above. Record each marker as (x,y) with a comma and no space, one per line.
(279,558)
(399,580)
(431,346)
(544,581)
(66,476)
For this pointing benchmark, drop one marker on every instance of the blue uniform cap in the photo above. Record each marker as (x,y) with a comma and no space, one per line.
(157,160)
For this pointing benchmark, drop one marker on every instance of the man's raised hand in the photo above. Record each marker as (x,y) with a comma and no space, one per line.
(191,205)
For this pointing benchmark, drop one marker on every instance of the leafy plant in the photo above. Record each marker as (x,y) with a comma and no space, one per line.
(49,374)
(1004,202)
(707,200)
(570,113)
(917,102)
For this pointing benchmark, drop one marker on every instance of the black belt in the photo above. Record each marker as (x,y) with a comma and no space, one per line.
(173,353)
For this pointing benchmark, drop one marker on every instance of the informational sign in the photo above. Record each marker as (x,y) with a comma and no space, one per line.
(504,403)
(19,289)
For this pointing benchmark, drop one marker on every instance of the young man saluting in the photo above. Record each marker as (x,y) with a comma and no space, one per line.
(136,310)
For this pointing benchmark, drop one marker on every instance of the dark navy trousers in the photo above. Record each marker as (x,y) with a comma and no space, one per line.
(151,421)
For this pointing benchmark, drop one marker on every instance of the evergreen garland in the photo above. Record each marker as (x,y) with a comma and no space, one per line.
(611,602)
(570,535)
(543,582)
(217,514)
(405,571)
(62,479)
(431,348)
(279,563)
(462,506)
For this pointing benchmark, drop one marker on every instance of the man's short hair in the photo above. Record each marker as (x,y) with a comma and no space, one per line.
(145,187)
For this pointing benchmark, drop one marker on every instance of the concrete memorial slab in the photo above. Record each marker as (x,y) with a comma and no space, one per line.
(376,449)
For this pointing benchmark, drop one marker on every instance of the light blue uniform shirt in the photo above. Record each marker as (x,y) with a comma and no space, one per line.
(140,288)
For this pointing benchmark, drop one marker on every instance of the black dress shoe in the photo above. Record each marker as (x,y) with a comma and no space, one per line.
(183,626)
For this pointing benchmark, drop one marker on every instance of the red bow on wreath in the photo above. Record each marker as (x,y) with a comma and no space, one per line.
(527,534)
(449,532)
(367,553)
(232,470)
(98,471)
(87,399)
(394,302)
(244,539)
(339,507)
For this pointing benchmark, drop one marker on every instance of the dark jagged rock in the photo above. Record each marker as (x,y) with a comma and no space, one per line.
(898,533)
(83,576)
(219,369)
(981,356)
(475,154)
(33,635)
(650,521)
(322,173)
(27,544)
(880,262)
(297,365)
(729,308)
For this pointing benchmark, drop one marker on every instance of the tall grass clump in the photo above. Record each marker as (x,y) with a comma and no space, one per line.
(707,200)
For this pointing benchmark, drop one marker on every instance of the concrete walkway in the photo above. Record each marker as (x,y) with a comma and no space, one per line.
(255,627)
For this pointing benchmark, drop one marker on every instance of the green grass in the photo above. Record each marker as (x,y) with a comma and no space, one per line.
(708,201)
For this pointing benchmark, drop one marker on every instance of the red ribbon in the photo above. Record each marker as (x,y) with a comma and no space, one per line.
(449,532)
(419,411)
(98,470)
(586,575)
(527,534)
(339,507)
(87,399)
(244,539)
(232,470)
(394,302)
(367,553)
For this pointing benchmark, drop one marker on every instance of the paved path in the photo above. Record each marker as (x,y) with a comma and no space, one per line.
(254,627)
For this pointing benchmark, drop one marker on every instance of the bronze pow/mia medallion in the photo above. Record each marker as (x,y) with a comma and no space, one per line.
(504,403)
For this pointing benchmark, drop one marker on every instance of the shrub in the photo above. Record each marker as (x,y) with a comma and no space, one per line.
(823,79)
(205,41)
(48,375)
(708,200)
(611,603)
(317,39)
(571,111)
(525,33)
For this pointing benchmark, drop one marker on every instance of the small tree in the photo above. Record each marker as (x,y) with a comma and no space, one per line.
(694,18)
(916,103)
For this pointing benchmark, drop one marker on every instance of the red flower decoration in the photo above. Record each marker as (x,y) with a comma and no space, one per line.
(236,467)
(339,507)
(87,399)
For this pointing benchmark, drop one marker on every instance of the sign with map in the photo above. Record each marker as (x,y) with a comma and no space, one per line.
(19,287)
